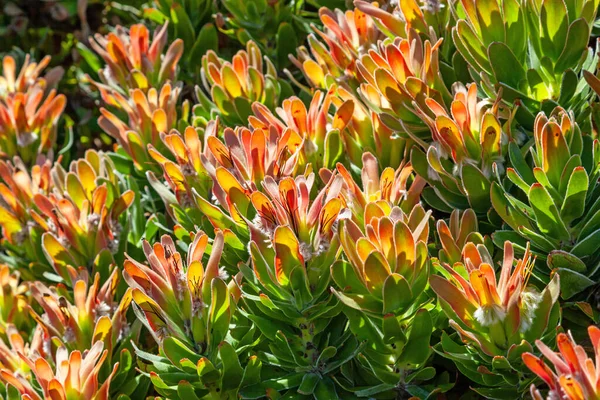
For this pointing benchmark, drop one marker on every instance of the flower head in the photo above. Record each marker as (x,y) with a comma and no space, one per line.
(346,37)
(235,85)
(76,376)
(179,297)
(133,61)
(29,75)
(28,118)
(495,313)
(148,115)
(575,375)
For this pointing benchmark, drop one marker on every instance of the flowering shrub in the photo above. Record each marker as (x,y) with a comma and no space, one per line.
(318,200)
(29,111)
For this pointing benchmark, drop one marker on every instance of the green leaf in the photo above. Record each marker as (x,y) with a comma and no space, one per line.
(300,288)
(570,166)
(219,311)
(497,393)
(554,27)
(397,294)
(393,333)
(507,211)
(568,87)
(325,390)
(232,370)
(186,391)
(507,69)
(588,246)
(540,242)
(175,350)
(252,372)
(547,217)
(575,45)
(334,149)
(590,224)
(470,46)
(572,282)
(207,372)
(309,383)
(208,39)
(90,57)
(287,42)
(518,241)
(434,201)
(376,389)
(477,187)
(518,162)
(347,278)
(184,29)
(490,21)
(417,349)
(573,206)
(564,260)
(517,180)
(515,25)
(424,374)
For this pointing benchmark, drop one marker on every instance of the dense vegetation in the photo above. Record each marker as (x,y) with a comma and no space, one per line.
(223,199)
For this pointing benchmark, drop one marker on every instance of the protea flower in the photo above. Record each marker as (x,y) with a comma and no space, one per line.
(468,143)
(92,312)
(18,187)
(188,309)
(424,16)
(81,218)
(382,285)
(235,85)
(506,53)
(348,36)
(319,131)
(76,376)
(148,115)
(496,318)
(396,187)
(246,158)
(183,170)
(398,77)
(559,214)
(77,319)
(574,376)
(28,123)
(293,243)
(133,61)
(29,75)
(252,155)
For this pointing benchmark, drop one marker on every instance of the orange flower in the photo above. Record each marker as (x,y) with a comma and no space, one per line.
(76,376)
(347,36)
(28,124)
(148,115)
(495,313)
(575,375)
(133,61)
(29,75)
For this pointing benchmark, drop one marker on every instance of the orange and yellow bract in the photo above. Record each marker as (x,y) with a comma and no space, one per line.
(575,375)
(133,61)
(29,111)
